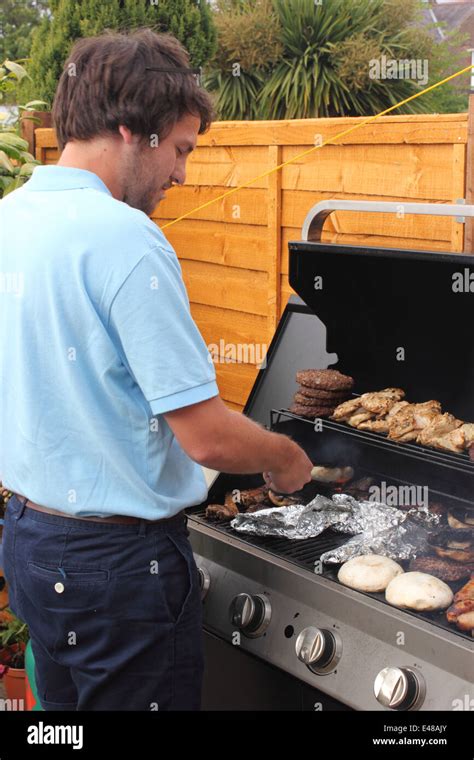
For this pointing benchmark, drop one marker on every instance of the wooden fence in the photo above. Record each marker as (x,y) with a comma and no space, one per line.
(234,252)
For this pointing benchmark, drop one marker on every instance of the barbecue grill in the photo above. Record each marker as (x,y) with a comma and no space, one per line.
(278,634)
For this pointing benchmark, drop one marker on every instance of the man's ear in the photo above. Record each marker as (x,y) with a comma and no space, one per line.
(127,136)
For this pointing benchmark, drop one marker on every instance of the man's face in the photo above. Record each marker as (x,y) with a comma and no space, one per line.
(147,171)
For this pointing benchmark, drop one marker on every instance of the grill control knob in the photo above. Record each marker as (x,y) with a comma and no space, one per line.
(250,613)
(400,688)
(204,581)
(319,649)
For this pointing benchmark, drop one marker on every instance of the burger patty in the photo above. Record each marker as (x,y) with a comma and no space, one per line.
(320,393)
(302,410)
(326,379)
(443,569)
(311,401)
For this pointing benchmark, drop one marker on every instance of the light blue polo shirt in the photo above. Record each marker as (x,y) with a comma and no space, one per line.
(96,343)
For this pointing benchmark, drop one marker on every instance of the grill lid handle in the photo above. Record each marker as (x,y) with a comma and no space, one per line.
(317,215)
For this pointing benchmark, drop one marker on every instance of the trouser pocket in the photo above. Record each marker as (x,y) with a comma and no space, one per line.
(177,573)
(60,600)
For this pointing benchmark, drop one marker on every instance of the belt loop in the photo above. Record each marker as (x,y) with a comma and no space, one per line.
(142,528)
(22,506)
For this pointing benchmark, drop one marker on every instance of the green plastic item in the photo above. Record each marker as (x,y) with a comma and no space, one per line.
(32,699)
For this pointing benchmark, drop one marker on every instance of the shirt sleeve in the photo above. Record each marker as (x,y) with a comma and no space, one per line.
(161,345)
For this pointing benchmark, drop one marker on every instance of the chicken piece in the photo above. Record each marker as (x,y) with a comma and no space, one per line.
(230,502)
(397,408)
(361,416)
(247,500)
(402,428)
(226,511)
(382,425)
(468,433)
(459,608)
(425,413)
(332,474)
(465,622)
(374,426)
(412,435)
(346,409)
(466,592)
(407,422)
(458,440)
(380,402)
(453,441)
(222,511)
(438,427)
(252,496)
(461,612)
(378,405)
(256,508)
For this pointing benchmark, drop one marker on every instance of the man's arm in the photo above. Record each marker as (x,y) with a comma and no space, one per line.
(220,439)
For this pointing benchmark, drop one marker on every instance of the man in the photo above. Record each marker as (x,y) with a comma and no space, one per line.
(109,403)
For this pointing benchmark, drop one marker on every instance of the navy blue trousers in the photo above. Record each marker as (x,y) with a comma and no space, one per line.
(114,611)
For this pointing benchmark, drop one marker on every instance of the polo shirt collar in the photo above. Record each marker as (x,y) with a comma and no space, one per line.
(54,177)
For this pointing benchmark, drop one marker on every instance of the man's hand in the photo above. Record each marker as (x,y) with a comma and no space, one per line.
(296,475)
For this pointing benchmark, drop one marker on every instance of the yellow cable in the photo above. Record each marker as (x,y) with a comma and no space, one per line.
(316,147)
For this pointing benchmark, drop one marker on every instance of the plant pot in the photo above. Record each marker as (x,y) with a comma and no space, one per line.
(14,680)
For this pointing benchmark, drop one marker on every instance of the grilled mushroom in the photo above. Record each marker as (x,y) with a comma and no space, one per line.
(461,519)
(282,499)
(453,544)
(437,508)
(360,489)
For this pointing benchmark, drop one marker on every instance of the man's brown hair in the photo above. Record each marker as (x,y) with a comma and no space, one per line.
(105,83)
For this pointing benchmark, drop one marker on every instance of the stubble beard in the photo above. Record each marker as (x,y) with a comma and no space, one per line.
(140,191)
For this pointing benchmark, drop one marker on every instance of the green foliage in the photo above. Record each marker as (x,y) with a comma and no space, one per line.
(16,163)
(236,96)
(315,58)
(249,43)
(14,636)
(17,20)
(189,20)
(250,35)
(445,59)
(15,631)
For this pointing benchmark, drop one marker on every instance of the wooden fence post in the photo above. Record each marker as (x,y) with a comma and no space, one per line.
(28,128)
(469,226)
(274,239)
